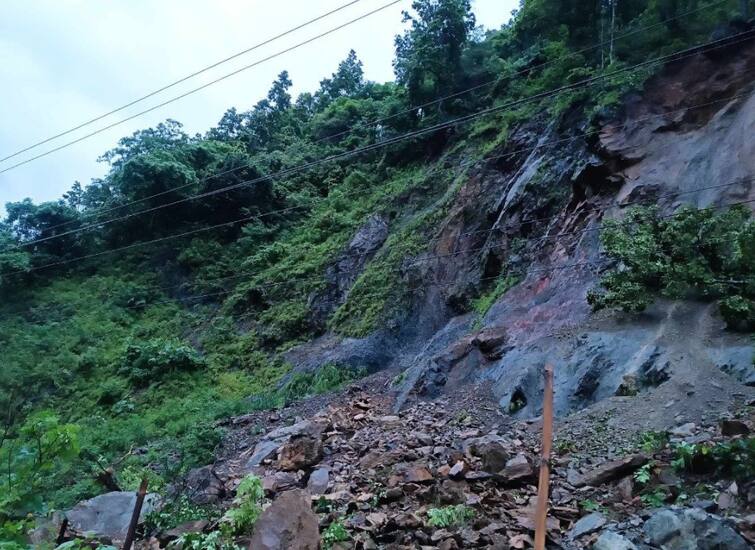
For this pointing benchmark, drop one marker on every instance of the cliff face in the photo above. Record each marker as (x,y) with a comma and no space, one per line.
(535,209)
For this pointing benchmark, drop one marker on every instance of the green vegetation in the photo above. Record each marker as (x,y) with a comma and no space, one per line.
(449,516)
(335,532)
(108,350)
(735,458)
(247,507)
(652,441)
(701,254)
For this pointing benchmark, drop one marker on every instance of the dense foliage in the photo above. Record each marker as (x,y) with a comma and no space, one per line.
(115,340)
(699,254)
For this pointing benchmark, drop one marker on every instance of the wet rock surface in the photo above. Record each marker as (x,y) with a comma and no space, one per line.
(107,517)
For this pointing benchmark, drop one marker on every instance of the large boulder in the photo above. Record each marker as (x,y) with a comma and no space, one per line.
(691,529)
(203,486)
(288,524)
(108,516)
(301,452)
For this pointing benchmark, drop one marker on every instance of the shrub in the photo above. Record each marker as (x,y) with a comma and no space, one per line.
(694,253)
(146,362)
(247,507)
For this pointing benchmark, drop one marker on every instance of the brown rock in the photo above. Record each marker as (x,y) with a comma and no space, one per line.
(300,452)
(731,427)
(197,526)
(288,524)
(518,468)
(417,474)
(608,471)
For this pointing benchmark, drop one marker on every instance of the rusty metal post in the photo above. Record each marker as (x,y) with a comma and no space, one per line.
(135,516)
(541,511)
(62,532)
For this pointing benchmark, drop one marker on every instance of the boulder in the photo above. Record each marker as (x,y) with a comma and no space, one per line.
(318,481)
(301,452)
(731,427)
(690,529)
(108,516)
(203,486)
(189,527)
(491,449)
(608,471)
(288,524)
(518,468)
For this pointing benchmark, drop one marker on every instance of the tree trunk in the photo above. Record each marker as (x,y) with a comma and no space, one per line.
(613,29)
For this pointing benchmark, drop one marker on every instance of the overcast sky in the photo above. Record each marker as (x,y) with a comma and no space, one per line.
(63,62)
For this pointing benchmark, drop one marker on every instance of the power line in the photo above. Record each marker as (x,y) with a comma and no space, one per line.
(182,80)
(682,54)
(412,109)
(199,88)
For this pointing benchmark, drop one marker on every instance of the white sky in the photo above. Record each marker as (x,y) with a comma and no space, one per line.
(63,62)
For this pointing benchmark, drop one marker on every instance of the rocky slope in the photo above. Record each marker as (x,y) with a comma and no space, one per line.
(449,416)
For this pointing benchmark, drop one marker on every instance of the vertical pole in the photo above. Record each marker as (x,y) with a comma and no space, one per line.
(135,516)
(62,532)
(541,511)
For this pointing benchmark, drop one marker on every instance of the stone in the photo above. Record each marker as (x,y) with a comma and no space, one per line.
(417,474)
(518,468)
(300,452)
(731,427)
(490,449)
(108,516)
(288,524)
(457,470)
(609,471)
(587,524)
(203,486)
(278,482)
(318,481)
(608,540)
(689,529)
(262,451)
(685,430)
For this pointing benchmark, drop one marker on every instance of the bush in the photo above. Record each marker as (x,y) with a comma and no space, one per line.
(247,507)
(146,362)
(697,254)
(336,532)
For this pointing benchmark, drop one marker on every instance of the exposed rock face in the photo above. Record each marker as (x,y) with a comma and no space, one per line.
(288,524)
(108,516)
(539,213)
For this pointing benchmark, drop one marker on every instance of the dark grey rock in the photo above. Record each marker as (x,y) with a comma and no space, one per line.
(318,481)
(691,529)
(587,524)
(108,516)
(203,486)
(608,540)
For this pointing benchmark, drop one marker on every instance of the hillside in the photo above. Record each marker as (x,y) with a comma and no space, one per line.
(354,292)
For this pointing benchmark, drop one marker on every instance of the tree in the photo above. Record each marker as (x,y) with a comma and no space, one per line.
(428,54)
(166,135)
(30,222)
(347,81)
(12,259)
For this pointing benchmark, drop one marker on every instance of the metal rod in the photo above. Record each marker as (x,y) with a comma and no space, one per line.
(62,532)
(541,511)
(135,516)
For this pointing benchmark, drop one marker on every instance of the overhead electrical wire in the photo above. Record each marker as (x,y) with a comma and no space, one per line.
(182,79)
(199,88)
(409,110)
(682,54)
